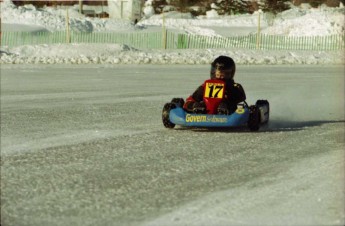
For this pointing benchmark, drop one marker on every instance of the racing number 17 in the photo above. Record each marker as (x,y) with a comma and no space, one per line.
(214,90)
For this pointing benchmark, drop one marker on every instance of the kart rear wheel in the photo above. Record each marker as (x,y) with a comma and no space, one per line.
(254,118)
(165,115)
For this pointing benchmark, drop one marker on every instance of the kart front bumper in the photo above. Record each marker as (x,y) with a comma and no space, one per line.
(179,117)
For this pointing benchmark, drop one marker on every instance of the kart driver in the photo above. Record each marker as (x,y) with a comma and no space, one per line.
(222,68)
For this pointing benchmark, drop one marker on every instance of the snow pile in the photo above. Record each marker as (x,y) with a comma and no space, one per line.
(54,19)
(64,53)
(311,22)
(51,20)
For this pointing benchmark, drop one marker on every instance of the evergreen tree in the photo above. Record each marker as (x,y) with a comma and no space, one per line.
(275,6)
(230,7)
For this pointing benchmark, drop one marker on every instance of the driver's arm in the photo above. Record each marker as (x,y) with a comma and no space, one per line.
(197,96)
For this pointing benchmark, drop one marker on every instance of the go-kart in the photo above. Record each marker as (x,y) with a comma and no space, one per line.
(253,116)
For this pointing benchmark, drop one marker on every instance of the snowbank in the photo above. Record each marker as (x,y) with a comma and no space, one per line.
(122,54)
(311,22)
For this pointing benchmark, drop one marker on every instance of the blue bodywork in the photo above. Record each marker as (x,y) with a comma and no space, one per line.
(179,117)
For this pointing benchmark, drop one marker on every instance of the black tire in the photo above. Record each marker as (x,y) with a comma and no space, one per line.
(264,103)
(260,103)
(254,118)
(165,115)
(178,101)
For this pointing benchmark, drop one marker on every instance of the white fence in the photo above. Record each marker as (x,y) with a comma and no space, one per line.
(169,40)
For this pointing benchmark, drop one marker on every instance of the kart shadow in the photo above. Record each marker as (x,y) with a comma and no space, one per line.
(272,126)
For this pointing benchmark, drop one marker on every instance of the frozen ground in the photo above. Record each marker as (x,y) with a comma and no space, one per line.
(84,145)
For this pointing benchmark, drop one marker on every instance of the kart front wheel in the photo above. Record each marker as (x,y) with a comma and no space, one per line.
(264,109)
(165,115)
(178,102)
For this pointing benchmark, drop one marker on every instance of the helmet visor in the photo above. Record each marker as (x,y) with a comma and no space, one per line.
(218,73)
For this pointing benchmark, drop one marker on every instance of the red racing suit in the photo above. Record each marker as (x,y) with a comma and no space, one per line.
(233,94)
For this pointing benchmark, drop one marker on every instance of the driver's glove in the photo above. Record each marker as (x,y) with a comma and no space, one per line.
(199,107)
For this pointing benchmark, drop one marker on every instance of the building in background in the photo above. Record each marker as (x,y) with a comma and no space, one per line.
(125,9)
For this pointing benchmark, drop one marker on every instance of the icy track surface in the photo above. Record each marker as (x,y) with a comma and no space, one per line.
(84,145)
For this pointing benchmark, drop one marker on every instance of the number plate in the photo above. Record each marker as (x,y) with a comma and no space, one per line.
(214,90)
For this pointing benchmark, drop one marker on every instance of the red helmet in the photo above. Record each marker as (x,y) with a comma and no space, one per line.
(223,65)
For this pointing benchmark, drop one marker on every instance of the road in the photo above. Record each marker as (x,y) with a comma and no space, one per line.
(85,145)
